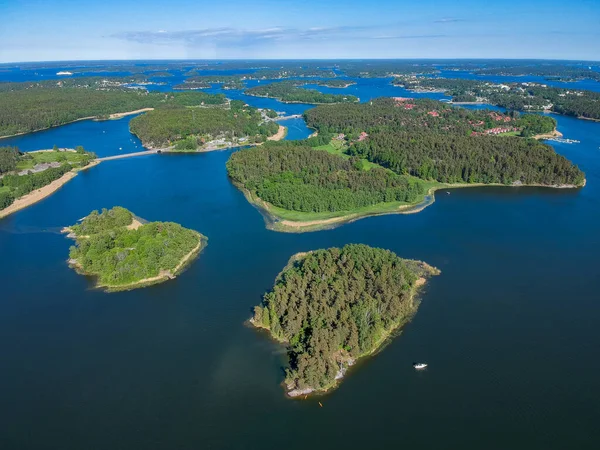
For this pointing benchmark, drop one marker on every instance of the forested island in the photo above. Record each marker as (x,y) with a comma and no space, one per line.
(513,96)
(26,178)
(208,128)
(123,253)
(386,156)
(27,107)
(289,92)
(331,307)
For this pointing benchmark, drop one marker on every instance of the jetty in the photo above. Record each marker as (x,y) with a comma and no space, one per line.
(294,116)
(130,155)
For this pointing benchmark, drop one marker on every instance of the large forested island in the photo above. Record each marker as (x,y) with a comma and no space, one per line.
(123,253)
(207,128)
(289,92)
(26,178)
(385,157)
(303,188)
(331,307)
(523,96)
(28,106)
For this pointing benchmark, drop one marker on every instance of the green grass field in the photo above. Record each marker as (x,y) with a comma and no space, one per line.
(32,158)
(339,148)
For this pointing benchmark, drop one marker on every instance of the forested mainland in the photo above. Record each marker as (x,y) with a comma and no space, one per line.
(331,307)
(27,107)
(434,141)
(289,92)
(122,253)
(190,128)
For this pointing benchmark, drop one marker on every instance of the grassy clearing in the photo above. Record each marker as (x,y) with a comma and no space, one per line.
(339,148)
(30,159)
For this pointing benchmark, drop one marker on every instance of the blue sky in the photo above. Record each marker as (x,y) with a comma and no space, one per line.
(54,30)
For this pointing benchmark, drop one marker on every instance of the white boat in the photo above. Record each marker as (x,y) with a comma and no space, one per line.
(64,73)
(419,366)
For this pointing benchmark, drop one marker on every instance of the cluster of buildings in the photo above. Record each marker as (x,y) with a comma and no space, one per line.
(405,102)
(499,117)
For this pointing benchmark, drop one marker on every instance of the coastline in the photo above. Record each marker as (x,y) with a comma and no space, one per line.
(301,103)
(40,194)
(554,134)
(113,116)
(278,223)
(163,275)
(281,134)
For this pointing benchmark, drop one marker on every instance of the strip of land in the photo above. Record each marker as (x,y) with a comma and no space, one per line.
(42,193)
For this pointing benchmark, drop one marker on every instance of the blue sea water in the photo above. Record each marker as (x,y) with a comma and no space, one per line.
(509,329)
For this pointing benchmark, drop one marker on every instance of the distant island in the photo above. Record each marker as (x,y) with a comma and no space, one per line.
(26,178)
(524,96)
(389,156)
(289,92)
(332,307)
(212,127)
(27,107)
(123,253)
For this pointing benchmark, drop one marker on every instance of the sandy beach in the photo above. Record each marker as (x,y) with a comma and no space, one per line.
(129,113)
(40,194)
(279,135)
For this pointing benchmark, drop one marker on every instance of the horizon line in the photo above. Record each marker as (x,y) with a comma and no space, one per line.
(305,59)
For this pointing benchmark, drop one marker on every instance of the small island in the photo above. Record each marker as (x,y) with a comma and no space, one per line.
(331,307)
(28,177)
(289,92)
(124,253)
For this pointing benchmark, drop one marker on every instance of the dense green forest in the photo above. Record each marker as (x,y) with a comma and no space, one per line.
(9,157)
(13,186)
(513,96)
(332,306)
(120,257)
(289,92)
(189,128)
(299,178)
(405,137)
(25,109)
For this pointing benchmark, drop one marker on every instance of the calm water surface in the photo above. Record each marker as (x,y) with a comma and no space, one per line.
(510,329)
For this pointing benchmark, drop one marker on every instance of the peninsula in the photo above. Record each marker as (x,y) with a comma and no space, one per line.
(29,107)
(331,307)
(189,129)
(26,178)
(123,253)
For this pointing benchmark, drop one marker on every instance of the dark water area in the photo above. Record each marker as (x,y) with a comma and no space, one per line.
(509,329)
(105,137)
